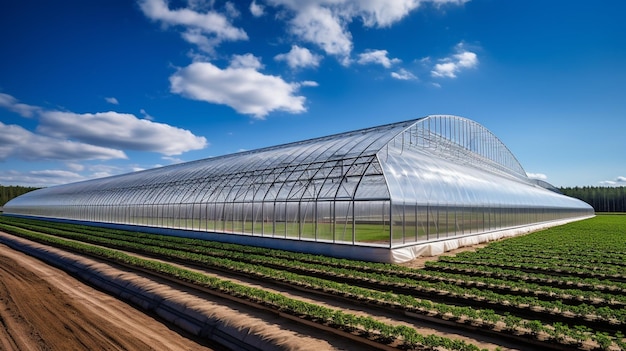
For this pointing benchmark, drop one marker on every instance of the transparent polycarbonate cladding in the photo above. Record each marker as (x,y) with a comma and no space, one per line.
(402,183)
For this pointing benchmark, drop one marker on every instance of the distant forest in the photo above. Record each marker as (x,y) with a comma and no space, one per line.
(602,199)
(9,192)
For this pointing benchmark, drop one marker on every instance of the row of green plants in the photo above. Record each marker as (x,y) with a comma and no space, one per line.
(470,271)
(519,286)
(485,317)
(368,326)
(589,261)
(542,267)
(457,291)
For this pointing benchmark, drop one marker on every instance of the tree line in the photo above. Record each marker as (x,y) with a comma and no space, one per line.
(601,198)
(11,191)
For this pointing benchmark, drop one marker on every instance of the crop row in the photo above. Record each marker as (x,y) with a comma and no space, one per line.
(553,264)
(451,289)
(486,317)
(577,261)
(320,314)
(456,291)
(471,271)
(508,286)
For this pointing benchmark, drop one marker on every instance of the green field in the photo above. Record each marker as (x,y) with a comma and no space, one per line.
(564,287)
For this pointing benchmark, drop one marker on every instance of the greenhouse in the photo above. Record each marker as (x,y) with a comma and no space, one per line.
(388,193)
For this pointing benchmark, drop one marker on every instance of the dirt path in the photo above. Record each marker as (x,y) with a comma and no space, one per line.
(43,308)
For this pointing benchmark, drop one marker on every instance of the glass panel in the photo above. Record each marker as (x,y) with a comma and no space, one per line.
(325,220)
(343,221)
(293,219)
(280,219)
(397,220)
(371,225)
(307,219)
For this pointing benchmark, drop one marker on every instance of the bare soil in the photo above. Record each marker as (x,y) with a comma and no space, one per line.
(43,308)
(421,261)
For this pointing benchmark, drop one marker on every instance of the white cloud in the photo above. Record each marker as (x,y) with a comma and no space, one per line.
(384,13)
(619,181)
(119,130)
(325,28)
(104,170)
(112,100)
(377,57)
(256,10)
(76,167)
(18,142)
(231,10)
(172,160)
(539,176)
(146,115)
(9,102)
(63,135)
(246,61)
(403,74)
(204,43)
(243,88)
(299,57)
(325,22)
(206,29)
(450,66)
(39,179)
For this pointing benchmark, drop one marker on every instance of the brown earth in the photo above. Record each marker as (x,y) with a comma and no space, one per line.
(43,308)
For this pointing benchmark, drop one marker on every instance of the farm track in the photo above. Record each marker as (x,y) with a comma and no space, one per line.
(44,308)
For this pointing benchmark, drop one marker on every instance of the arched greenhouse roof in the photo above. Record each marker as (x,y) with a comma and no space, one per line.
(340,166)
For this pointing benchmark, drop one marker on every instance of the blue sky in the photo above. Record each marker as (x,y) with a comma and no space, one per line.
(103,87)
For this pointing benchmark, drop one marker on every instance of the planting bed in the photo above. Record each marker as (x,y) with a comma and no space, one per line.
(561,288)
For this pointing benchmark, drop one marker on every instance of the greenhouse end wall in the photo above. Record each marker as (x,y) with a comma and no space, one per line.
(361,194)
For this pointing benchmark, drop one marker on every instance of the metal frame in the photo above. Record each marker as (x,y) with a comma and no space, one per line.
(389,186)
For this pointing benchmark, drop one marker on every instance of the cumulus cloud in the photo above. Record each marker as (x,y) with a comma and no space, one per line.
(325,23)
(146,115)
(403,74)
(450,66)
(119,130)
(299,57)
(18,142)
(246,61)
(256,10)
(619,181)
(308,83)
(62,135)
(39,179)
(377,57)
(325,28)
(12,104)
(112,100)
(539,176)
(241,87)
(204,29)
